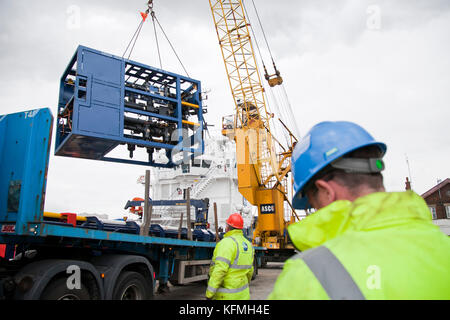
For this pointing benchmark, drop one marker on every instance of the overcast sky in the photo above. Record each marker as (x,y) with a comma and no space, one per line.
(382,64)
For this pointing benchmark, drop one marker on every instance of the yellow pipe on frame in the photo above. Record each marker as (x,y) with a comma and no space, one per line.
(187,104)
(54,215)
(191,123)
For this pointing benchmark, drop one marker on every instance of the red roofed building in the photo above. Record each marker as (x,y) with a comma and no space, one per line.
(438,200)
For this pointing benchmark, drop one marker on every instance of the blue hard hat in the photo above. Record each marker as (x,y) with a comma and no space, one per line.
(323,144)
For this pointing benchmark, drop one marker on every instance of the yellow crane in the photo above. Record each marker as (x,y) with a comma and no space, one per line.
(263,172)
(263,162)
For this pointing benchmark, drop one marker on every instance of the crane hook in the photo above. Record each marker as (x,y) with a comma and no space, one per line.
(149,10)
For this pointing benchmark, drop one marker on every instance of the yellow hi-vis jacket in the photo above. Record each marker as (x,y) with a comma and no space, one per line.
(231,269)
(382,246)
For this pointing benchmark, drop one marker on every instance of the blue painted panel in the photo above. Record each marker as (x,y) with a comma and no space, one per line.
(99,119)
(24,156)
(106,94)
(101,66)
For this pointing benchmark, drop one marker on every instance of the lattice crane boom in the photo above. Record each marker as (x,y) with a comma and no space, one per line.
(262,173)
(246,85)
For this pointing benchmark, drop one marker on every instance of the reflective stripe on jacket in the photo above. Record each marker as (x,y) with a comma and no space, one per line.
(231,269)
(382,246)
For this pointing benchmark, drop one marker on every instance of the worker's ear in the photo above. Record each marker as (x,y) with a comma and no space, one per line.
(325,193)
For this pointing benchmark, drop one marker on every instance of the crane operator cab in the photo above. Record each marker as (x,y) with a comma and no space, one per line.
(249,113)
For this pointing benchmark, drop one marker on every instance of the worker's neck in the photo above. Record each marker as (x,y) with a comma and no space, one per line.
(361,192)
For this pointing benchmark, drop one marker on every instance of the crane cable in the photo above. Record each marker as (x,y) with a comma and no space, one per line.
(263,32)
(173,49)
(276,126)
(134,37)
(136,34)
(156,38)
(253,33)
(262,60)
(287,108)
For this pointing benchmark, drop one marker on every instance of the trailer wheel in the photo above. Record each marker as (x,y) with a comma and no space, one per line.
(57,290)
(263,262)
(255,269)
(131,286)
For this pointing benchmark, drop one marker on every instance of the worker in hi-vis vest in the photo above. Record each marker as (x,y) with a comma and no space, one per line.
(232,264)
(362,242)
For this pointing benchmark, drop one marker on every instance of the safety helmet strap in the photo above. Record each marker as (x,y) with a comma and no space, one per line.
(359,165)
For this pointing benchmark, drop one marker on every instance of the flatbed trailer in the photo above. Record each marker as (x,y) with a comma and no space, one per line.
(69,258)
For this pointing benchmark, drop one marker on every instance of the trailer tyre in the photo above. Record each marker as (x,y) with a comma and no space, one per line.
(57,289)
(255,269)
(132,286)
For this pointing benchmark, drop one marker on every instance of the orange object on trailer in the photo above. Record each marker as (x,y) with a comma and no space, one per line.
(137,210)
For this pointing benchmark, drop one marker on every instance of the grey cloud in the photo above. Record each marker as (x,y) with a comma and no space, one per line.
(317,25)
(334,67)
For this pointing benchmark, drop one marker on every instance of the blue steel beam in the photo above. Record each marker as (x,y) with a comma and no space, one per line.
(46,230)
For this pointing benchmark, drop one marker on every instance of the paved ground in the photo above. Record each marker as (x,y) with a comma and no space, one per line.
(260,288)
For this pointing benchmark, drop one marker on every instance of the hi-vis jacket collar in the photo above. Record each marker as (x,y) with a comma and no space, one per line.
(374,211)
(233,232)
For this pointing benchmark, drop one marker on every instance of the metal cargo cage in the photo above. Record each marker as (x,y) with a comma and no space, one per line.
(106,102)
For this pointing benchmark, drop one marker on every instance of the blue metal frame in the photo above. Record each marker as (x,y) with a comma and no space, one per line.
(24,158)
(104,101)
(25,140)
(62,231)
